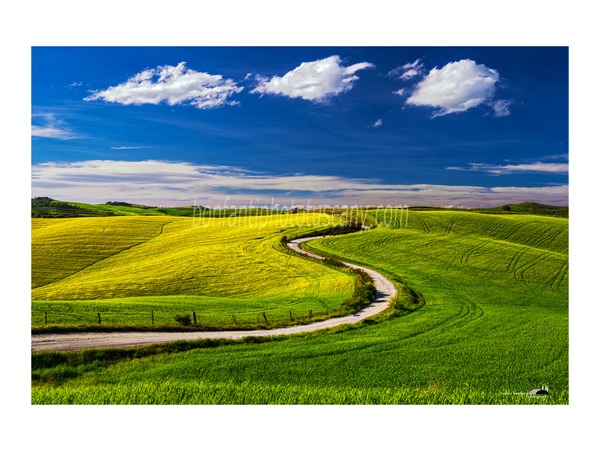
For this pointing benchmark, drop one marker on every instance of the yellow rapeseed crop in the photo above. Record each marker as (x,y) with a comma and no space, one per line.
(232,262)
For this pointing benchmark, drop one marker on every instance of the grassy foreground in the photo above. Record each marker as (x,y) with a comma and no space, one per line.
(132,270)
(495,326)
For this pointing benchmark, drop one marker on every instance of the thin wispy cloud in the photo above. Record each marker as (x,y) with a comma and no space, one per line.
(564,156)
(501,107)
(172,183)
(315,80)
(50,132)
(50,127)
(458,87)
(540,167)
(130,147)
(377,123)
(173,85)
(407,71)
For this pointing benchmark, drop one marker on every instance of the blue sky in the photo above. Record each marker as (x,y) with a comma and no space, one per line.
(461,126)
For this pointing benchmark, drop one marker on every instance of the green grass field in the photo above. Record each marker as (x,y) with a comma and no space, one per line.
(45,207)
(126,267)
(495,325)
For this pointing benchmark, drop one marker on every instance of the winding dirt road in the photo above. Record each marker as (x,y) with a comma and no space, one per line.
(78,341)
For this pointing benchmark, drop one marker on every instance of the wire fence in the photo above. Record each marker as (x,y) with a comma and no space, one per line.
(110,318)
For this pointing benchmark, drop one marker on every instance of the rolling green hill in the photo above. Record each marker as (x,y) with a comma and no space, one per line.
(45,207)
(527,208)
(494,326)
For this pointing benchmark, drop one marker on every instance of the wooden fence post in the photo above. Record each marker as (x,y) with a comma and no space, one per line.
(234,321)
(265,316)
(194,316)
(99,319)
(152,316)
(291,317)
(45,318)
(310,313)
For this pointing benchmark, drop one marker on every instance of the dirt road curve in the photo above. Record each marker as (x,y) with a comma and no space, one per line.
(79,341)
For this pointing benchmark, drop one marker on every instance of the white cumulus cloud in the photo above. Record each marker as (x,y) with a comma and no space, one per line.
(377,123)
(457,87)
(174,85)
(315,80)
